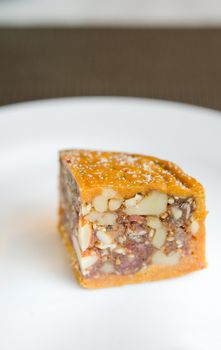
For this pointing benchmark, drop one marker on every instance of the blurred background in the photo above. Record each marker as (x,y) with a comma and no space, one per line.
(165,49)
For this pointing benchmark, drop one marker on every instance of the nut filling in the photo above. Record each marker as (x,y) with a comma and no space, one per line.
(120,236)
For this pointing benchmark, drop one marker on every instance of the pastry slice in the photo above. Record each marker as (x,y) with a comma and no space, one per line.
(128,218)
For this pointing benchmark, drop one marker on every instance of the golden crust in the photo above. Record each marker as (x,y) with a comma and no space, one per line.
(153,273)
(129,174)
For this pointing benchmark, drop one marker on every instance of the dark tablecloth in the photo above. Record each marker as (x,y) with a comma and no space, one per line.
(172,64)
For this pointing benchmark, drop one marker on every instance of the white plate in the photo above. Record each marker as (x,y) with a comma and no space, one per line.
(41,305)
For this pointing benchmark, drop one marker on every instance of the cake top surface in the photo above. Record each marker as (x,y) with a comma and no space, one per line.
(127,173)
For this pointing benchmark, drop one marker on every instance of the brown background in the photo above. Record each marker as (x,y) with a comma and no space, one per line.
(173,64)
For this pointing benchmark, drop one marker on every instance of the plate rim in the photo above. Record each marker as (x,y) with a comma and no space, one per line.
(48,102)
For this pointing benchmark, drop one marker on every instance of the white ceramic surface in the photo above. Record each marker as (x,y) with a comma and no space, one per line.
(41,305)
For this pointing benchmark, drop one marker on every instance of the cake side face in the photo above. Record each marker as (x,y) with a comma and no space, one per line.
(129,218)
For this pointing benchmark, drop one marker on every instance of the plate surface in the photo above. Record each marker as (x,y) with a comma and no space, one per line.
(41,305)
